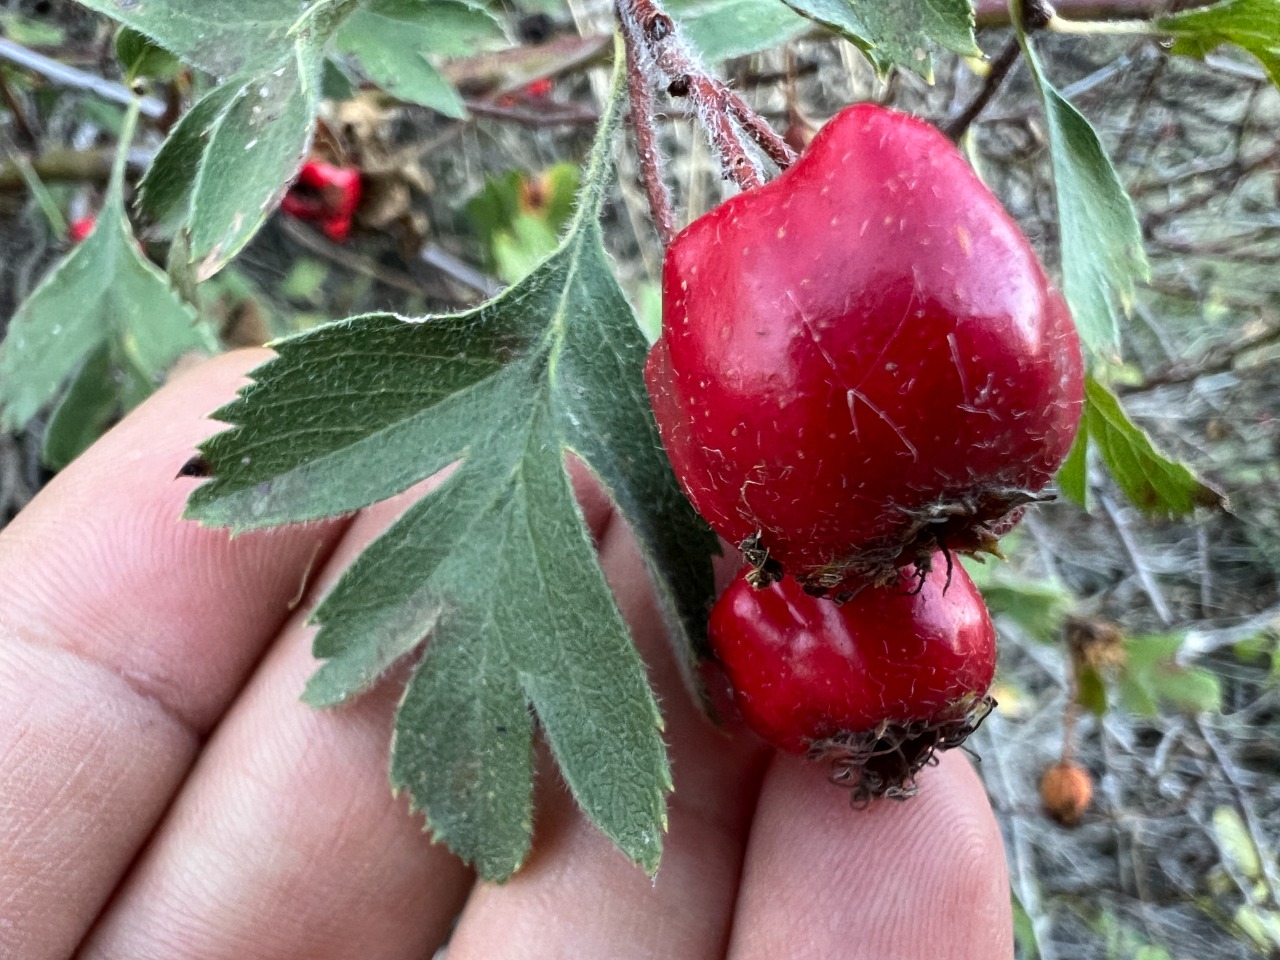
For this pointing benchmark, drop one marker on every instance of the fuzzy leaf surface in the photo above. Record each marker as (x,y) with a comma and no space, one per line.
(1102,253)
(897,33)
(1252,25)
(722,29)
(224,37)
(225,165)
(495,568)
(391,40)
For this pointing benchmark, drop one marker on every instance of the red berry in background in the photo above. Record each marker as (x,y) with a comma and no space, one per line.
(863,362)
(327,195)
(875,685)
(80,228)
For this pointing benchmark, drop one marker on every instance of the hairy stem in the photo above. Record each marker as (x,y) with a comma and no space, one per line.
(644,123)
(644,22)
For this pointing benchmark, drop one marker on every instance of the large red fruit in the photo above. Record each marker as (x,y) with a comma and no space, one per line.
(877,684)
(863,362)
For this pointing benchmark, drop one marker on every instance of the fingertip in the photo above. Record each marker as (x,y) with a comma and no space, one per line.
(921,878)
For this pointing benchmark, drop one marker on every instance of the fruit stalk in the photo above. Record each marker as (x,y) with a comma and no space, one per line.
(640,89)
(654,45)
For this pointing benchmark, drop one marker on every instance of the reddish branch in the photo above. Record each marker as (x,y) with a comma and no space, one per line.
(644,123)
(655,47)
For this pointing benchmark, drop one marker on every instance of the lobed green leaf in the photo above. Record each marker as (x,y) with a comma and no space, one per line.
(1253,25)
(496,565)
(897,33)
(722,29)
(392,39)
(1151,481)
(105,293)
(1102,253)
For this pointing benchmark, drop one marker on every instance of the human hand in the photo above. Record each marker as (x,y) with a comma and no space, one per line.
(164,794)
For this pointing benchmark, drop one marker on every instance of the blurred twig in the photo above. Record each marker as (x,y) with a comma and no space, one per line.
(65,76)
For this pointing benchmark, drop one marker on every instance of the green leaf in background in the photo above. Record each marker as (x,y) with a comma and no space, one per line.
(1091,691)
(254,147)
(897,33)
(392,39)
(521,215)
(1073,475)
(1024,931)
(1102,254)
(223,167)
(722,29)
(30,31)
(1153,483)
(495,565)
(104,292)
(1253,25)
(1235,844)
(1152,676)
(1037,606)
(84,412)
(141,57)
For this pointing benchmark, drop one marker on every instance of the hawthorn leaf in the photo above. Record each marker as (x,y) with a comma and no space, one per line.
(1153,483)
(225,37)
(104,292)
(1152,676)
(224,167)
(1073,475)
(722,29)
(253,148)
(392,39)
(1102,253)
(495,568)
(84,412)
(141,57)
(897,33)
(164,194)
(1252,25)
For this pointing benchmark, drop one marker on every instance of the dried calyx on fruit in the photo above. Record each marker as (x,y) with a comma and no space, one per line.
(863,363)
(874,686)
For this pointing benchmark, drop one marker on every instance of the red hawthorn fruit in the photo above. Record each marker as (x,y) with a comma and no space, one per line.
(862,362)
(327,195)
(876,685)
(81,228)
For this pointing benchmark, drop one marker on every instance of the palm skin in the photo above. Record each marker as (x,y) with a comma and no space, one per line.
(163,792)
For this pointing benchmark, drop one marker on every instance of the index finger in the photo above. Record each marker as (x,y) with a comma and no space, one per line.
(124,635)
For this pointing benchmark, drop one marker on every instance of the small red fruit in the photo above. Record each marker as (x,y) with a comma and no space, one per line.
(863,362)
(327,195)
(81,228)
(876,684)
